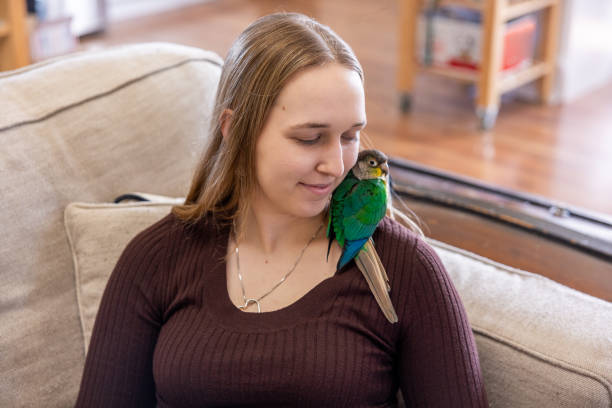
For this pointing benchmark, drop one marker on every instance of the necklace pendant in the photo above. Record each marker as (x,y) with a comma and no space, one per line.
(247,302)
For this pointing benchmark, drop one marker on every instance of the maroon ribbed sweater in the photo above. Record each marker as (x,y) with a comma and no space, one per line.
(167,333)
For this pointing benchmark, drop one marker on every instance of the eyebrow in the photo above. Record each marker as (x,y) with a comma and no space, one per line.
(314,125)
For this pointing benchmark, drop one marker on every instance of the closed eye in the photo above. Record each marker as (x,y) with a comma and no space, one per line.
(351,137)
(348,137)
(309,140)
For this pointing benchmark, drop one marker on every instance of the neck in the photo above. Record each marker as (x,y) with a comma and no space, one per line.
(270,232)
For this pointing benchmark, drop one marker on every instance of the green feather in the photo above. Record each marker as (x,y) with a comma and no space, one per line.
(356,208)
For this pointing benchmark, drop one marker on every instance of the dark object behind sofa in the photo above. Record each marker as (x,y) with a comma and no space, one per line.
(569,245)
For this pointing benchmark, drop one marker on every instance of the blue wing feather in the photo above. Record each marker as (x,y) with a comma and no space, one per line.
(350,250)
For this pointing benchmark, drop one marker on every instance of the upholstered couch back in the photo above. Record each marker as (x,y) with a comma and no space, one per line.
(83,128)
(93,126)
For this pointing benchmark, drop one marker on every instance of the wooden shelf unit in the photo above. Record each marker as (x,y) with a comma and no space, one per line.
(491,81)
(513,8)
(14,46)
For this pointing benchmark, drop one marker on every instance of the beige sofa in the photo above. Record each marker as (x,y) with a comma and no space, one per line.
(90,127)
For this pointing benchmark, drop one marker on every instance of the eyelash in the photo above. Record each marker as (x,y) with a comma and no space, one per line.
(320,135)
(309,141)
(353,138)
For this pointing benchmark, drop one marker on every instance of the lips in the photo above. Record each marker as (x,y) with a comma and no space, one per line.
(318,189)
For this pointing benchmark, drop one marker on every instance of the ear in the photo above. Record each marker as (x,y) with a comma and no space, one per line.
(226,121)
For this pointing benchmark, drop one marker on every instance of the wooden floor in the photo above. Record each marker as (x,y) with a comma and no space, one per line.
(563,152)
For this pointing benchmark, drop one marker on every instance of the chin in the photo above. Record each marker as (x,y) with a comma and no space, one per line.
(312,210)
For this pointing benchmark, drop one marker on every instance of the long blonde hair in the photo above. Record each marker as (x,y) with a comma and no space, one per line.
(266,55)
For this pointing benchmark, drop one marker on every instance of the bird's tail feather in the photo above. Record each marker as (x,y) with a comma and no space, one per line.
(374,272)
(369,247)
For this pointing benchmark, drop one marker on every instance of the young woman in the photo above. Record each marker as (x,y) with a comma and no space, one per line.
(230,299)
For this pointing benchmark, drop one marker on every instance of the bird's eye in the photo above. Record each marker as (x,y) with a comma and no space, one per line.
(373,163)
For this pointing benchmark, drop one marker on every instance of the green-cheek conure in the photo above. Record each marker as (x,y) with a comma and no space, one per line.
(357,206)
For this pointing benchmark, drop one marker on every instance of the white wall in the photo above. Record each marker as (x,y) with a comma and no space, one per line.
(585,48)
(88,16)
(126,9)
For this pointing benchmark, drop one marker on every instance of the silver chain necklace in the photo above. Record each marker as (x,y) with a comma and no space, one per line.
(248,301)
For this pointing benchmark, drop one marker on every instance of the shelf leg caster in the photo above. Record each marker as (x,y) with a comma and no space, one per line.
(487,117)
(406,102)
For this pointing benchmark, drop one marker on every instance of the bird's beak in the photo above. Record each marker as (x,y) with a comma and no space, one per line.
(385,168)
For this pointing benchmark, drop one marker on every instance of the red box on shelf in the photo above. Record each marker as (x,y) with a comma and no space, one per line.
(458,43)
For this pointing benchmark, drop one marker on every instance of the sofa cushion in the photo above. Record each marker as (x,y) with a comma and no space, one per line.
(98,233)
(541,344)
(86,127)
(551,347)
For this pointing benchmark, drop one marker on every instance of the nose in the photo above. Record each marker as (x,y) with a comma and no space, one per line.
(332,159)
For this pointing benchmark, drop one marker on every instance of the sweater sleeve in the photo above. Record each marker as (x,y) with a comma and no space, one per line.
(118,367)
(439,364)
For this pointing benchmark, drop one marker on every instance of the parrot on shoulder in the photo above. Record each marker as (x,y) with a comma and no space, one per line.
(358,204)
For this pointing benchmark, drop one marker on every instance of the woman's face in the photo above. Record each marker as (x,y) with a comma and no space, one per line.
(310,141)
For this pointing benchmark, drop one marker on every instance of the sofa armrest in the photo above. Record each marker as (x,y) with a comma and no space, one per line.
(84,127)
(541,344)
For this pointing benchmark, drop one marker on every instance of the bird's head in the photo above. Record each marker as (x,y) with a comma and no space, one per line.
(371,164)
